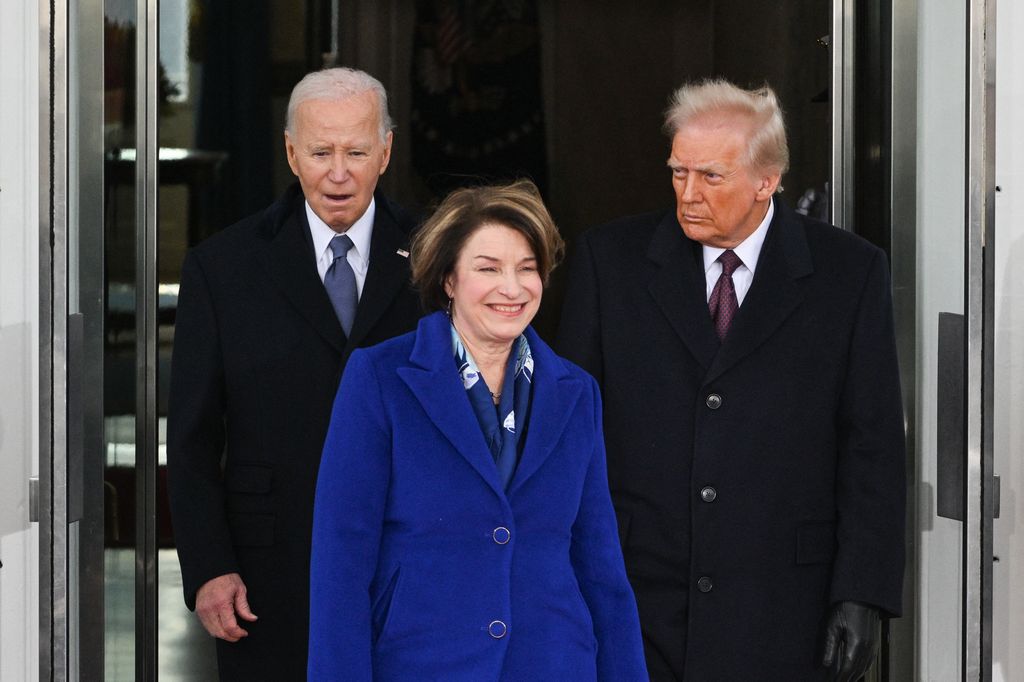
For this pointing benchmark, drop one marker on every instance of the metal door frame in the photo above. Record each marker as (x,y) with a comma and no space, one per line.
(57,303)
(146,435)
(979,486)
(901,647)
(979,311)
(842,98)
(69,505)
(52,509)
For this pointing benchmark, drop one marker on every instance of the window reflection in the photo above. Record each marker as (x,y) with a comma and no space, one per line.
(119,360)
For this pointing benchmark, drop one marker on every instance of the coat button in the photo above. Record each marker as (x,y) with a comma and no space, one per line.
(501,535)
(704,584)
(497,629)
(708,494)
(714,401)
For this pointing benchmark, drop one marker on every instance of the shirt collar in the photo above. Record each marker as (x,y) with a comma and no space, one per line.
(749,249)
(360,232)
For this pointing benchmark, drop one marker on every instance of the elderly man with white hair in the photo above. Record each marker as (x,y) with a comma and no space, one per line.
(269,311)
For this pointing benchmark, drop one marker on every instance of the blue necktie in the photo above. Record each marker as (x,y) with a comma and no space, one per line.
(340,283)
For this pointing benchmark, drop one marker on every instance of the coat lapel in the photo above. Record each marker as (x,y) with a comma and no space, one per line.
(774,293)
(434,380)
(679,289)
(555,394)
(289,261)
(388,272)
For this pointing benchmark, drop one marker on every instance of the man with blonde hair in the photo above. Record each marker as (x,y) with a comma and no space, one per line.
(268,313)
(752,409)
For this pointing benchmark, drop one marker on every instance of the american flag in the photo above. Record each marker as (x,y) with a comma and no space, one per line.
(451,36)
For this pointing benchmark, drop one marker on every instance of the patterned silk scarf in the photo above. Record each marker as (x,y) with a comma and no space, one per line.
(504,424)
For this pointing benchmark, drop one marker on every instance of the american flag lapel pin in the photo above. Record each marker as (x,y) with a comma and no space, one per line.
(403,253)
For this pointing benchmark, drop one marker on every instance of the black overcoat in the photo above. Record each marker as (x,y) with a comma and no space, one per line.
(258,355)
(758,480)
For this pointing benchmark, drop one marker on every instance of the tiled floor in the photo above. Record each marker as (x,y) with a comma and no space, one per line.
(186,653)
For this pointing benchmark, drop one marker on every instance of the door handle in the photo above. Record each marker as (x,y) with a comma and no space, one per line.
(33,499)
(949,447)
(996,497)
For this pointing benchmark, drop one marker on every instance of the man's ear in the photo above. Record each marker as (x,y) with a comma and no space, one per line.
(769,183)
(289,151)
(387,152)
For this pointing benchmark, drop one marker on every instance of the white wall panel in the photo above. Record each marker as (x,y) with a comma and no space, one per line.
(1008,572)
(19,338)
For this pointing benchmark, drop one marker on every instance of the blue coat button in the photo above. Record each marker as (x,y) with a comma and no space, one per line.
(704,584)
(497,629)
(714,401)
(501,535)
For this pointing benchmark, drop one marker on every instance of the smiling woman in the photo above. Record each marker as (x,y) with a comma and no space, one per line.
(485,256)
(463,480)
(495,291)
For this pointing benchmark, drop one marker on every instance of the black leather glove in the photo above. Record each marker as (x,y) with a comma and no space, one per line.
(851,640)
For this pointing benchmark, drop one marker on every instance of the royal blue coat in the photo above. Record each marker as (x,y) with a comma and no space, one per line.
(424,568)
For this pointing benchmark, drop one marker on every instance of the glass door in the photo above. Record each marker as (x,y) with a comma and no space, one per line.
(939,580)
(225,73)
(943,127)
(190,141)
(124,36)
(194,93)
(937,172)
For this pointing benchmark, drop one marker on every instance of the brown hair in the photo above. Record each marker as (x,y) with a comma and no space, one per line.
(437,245)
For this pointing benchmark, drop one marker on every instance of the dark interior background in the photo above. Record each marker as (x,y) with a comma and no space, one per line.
(597,76)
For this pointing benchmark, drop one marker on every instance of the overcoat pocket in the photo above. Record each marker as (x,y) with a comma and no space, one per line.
(249,478)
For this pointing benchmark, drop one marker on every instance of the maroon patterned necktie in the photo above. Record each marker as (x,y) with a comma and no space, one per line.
(723,303)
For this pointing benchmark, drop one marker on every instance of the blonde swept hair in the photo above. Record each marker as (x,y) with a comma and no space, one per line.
(767,148)
(518,206)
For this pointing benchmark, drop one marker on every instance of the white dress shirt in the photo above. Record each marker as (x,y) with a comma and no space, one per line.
(748,251)
(358,256)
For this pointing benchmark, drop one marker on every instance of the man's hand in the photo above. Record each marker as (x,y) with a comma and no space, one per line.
(851,640)
(217,602)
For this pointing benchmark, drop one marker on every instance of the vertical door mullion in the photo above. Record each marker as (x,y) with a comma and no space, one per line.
(842,43)
(44,501)
(900,646)
(987,284)
(977,548)
(53,536)
(146,341)
(87,96)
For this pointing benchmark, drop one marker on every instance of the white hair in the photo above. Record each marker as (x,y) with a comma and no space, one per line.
(337,84)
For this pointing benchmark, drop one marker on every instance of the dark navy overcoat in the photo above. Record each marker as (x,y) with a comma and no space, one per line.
(258,354)
(758,480)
